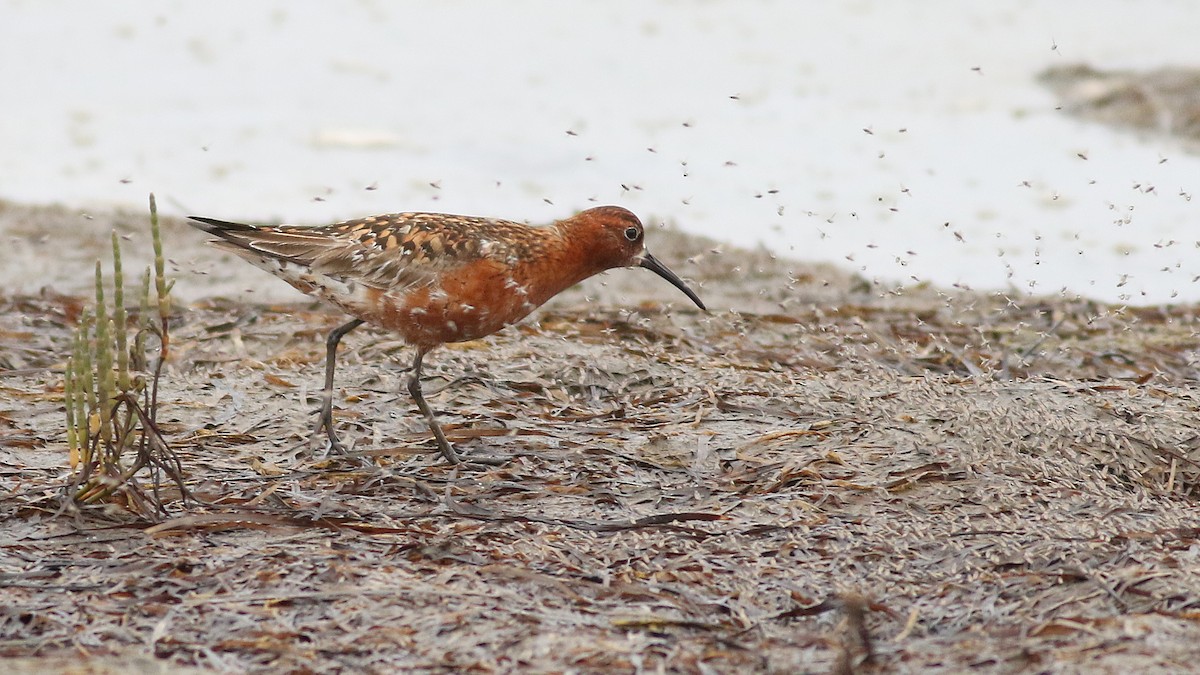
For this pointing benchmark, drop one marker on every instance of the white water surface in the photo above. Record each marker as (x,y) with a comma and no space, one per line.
(908,141)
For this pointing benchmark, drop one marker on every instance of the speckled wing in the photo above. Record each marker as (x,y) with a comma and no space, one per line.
(389,252)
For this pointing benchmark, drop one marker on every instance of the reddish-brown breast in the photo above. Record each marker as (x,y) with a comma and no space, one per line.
(515,270)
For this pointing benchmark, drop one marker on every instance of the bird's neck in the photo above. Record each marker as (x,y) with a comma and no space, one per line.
(567,259)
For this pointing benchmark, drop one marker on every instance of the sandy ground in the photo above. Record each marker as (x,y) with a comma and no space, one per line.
(814,476)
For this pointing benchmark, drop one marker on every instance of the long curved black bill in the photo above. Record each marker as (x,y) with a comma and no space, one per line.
(651,263)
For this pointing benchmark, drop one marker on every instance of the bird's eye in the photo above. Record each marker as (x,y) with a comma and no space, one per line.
(632,233)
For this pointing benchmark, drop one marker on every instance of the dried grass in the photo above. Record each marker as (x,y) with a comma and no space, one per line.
(908,482)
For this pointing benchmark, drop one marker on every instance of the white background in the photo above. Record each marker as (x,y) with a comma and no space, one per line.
(291,110)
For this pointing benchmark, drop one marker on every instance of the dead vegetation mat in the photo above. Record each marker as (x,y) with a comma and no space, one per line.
(853,481)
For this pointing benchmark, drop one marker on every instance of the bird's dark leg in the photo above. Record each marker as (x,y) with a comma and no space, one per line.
(414,388)
(326,419)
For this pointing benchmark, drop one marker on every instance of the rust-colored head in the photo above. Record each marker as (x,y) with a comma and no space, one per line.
(616,238)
